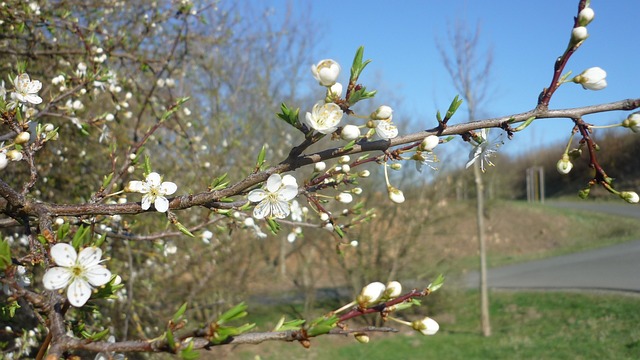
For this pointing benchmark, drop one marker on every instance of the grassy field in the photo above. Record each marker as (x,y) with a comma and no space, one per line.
(526,325)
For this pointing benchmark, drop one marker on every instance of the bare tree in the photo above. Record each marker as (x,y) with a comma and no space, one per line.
(470,68)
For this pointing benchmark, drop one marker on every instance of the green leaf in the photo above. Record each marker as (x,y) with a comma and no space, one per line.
(322,325)
(171,340)
(525,124)
(176,317)
(295,324)
(290,116)
(358,65)
(96,336)
(63,231)
(173,108)
(8,310)
(219,183)
(235,312)
(147,165)
(189,353)
(107,180)
(183,229)
(5,254)
(81,237)
(338,231)
(349,145)
(261,157)
(360,94)
(436,284)
(455,104)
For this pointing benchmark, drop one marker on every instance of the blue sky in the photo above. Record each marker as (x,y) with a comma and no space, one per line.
(526,37)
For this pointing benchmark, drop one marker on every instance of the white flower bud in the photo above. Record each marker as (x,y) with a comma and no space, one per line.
(319,166)
(426,326)
(362,338)
(344,159)
(429,143)
(396,166)
(592,79)
(354,243)
(326,72)
(630,197)
(346,168)
(632,122)
(394,289)
(395,195)
(14,155)
(564,166)
(335,90)
(357,191)
(48,127)
(3,161)
(324,216)
(364,173)
(109,117)
(22,138)
(579,34)
(585,16)
(383,112)
(371,293)
(350,132)
(344,197)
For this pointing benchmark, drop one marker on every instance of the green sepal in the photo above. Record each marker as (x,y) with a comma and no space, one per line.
(171,340)
(273,225)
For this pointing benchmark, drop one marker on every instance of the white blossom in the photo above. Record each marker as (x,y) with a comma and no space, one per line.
(154,191)
(564,166)
(79,273)
(274,199)
(26,90)
(632,122)
(385,129)
(395,195)
(482,150)
(324,117)
(344,197)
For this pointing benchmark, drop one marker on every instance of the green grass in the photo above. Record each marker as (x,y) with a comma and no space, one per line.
(526,325)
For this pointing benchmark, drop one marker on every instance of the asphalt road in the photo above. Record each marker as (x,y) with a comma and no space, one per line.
(614,268)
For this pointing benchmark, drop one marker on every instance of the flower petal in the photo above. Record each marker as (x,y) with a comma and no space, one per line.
(274,182)
(161,204)
(280,209)
(287,193)
(146,202)
(90,256)
(257,195)
(168,188)
(289,180)
(262,210)
(98,275)
(63,254)
(136,186)
(56,278)
(153,179)
(78,292)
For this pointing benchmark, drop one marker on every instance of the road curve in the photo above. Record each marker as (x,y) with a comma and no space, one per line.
(614,268)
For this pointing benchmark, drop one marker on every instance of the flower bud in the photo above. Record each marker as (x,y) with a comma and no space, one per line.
(429,143)
(564,166)
(592,79)
(350,132)
(326,72)
(324,216)
(396,166)
(22,138)
(632,122)
(319,166)
(630,196)
(426,326)
(14,155)
(346,168)
(356,191)
(344,159)
(48,127)
(362,338)
(579,34)
(364,173)
(3,161)
(335,90)
(395,195)
(586,16)
(394,289)
(383,112)
(371,293)
(344,197)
